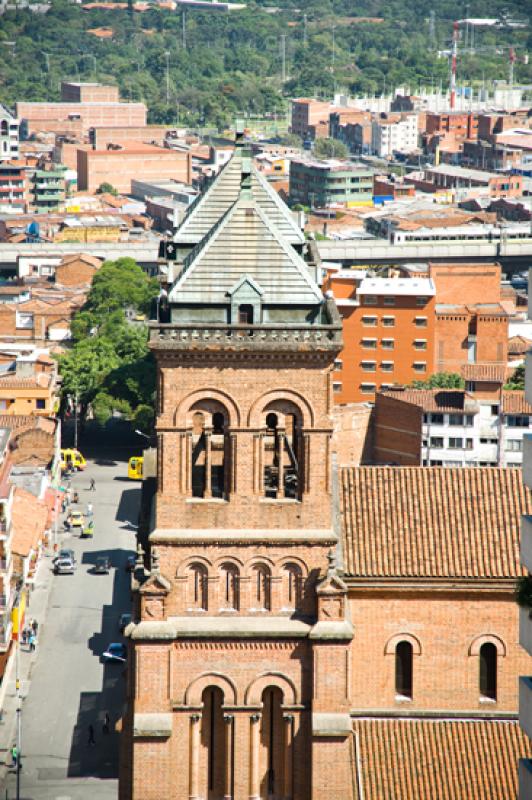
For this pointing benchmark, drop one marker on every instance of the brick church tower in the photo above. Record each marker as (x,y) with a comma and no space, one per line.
(239,668)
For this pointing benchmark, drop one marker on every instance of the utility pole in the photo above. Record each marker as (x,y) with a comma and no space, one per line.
(76,421)
(283,58)
(184,21)
(453,64)
(167,56)
(19,709)
(305,29)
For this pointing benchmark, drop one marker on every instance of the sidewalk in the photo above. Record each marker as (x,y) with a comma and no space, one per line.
(36,609)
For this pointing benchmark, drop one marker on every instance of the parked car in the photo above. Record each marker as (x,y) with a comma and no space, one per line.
(124,621)
(116,653)
(102,565)
(76,520)
(65,554)
(64,566)
(130,563)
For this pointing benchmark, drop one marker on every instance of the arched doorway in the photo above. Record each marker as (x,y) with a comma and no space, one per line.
(214,742)
(272,785)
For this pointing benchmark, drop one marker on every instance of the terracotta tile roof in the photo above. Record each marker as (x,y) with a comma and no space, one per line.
(436,399)
(29,517)
(41,380)
(514,402)
(518,345)
(490,373)
(414,759)
(432,522)
(19,423)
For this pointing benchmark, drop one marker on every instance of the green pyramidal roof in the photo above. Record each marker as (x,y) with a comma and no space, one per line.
(245,242)
(223,192)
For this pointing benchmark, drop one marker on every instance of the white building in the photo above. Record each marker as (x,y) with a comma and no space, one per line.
(9,135)
(388,137)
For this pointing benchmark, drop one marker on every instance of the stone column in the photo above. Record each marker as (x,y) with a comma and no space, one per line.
(228,766)
(281,433)
(208,460)
(288,727)
(195,729)
(254,741)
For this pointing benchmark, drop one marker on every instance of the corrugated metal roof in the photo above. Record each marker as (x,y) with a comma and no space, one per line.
(245,242)
(223,191)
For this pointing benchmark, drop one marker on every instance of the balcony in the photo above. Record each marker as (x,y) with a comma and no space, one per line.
(525,705)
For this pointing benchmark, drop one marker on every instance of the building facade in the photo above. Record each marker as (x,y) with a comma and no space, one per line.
(390,136)
(323,183)
(9,135)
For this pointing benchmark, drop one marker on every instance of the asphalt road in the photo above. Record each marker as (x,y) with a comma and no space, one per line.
(70,688)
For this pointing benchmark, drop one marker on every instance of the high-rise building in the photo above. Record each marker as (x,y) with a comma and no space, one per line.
(9,135)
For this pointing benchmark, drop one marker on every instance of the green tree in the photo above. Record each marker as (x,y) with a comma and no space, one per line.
(517,381)
(330,148)
(106,188)
(441,380)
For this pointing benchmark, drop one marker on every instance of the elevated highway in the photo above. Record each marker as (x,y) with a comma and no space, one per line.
(145,252)
(513,254)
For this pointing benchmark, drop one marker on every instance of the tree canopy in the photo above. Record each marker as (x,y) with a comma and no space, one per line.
(441,380)
(109,366)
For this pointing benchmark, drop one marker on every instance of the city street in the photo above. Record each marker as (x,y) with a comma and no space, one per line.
(70,688)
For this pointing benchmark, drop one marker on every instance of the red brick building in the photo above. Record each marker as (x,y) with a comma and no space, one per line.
(264,660)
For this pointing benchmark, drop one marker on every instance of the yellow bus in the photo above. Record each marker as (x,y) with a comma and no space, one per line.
(134,468)
(72,459)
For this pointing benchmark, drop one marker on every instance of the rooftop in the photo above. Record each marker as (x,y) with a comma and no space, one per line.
(397,286)
(436,399)
(463,172)
(407,759)
(484,373)
(402,522)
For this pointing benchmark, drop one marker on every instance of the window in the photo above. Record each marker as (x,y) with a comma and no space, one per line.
(24,320)
(245,315)
(420,322)
(40,403)
(198,587)
(455,419)
(420,366)
(495,411)
(420,344)
(368,366)
(388,344)
(421,301)
(338,365)
(436,442)
(230,587)
(488,671)
(514,445)
(436,419)
(369,344)
(370,300)
(337,387)
(367,388)
(389,301)
(517,421)
(488,440)
(403,670)
(294,585)
(387,366)
(262,580)
(470,386)
(369,321)
(388,322)
(456,443)
(469,420)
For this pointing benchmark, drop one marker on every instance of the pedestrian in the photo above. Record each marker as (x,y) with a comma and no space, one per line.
(91,740)
(35,626)
(106,723)
(89,509)
(33,642)
(63,505)
(24,636)
(92,486)
(14,755)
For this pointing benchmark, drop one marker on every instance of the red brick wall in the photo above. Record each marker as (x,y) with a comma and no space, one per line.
(397,432)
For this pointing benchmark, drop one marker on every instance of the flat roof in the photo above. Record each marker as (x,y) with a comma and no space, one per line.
(397,286)
(463,172)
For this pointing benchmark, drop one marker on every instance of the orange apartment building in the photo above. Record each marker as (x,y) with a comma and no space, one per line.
(409,325)
(388,326)
(118,166)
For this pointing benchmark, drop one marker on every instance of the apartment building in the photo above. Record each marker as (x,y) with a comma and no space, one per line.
(9,135)
(119,164)
(388,332)
(450,428)
(13,186)
(466,181)
(48,188)
(323,183)
(389,136)
(310,116)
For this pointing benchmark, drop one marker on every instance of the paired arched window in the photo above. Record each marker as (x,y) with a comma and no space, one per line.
(209,451)
(261,587)
(198,587)
(230,587)
(488,671)
(3,128)
(404,669)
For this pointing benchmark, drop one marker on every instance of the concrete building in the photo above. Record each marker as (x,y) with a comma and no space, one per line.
(450,428)
(9,135)
(118,166)
(48,188)
(324,183)
(389,136)
(310,116)
(467,182)
(13,186)
(388,332)
(73,92)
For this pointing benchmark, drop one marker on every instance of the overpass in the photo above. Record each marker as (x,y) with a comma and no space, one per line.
(145,253)
(513,254)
